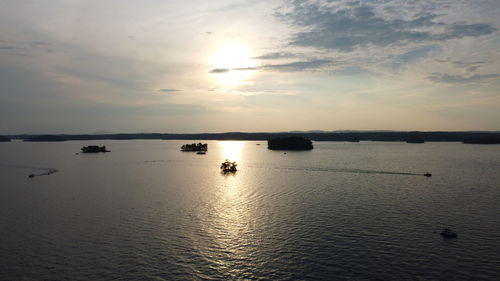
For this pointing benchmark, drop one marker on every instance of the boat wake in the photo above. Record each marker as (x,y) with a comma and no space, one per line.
(45,171)
(357,171)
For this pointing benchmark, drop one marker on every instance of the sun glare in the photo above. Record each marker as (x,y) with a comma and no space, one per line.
(231,65)
(231,150)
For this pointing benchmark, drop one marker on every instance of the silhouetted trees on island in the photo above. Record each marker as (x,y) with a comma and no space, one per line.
(290,143)
(195,147)
(228,167)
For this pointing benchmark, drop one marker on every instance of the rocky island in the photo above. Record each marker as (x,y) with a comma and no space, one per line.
(290,143)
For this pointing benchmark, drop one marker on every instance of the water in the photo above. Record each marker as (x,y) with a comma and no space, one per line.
(344,211)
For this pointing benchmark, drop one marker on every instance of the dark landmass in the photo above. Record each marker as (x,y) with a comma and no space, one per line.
(415,141)
(94,149)
(4,139)
(484,140)
(344,136)
(290,143)
(195,147)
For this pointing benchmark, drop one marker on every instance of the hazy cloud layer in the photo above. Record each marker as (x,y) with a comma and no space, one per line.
(167,90)
(285,67)
(461,79)
(277,55)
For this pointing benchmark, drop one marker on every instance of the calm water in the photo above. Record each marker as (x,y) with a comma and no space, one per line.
(344,211)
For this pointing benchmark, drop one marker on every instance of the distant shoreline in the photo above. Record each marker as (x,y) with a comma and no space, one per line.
(414,137)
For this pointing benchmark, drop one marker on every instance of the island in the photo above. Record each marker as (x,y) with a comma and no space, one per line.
(228,167)
(195,147)
(290,143)
(4,139)
(94,149)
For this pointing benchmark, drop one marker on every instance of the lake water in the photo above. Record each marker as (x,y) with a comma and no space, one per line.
(343,211)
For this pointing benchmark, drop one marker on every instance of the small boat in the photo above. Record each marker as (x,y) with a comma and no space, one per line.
(448,233)
(201,152)
(31,176)
(428,175)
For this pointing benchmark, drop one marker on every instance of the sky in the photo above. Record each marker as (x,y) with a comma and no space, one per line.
(192,66)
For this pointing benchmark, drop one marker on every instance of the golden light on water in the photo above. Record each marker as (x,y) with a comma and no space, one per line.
(232,64)
(231,150)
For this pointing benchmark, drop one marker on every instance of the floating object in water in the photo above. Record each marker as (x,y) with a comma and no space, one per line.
(228,166)
(428,174)
(448,233)
(31,176)
(201,152)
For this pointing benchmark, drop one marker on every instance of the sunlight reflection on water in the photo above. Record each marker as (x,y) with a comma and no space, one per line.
(231,150)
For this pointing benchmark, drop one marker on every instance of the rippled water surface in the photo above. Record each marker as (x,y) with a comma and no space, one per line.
(344,211)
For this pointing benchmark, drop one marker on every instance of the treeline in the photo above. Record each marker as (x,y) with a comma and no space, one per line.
(418,137)
(2,138)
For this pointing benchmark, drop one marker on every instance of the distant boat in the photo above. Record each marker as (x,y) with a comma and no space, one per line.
(428,175)
(201,152)
(31,176)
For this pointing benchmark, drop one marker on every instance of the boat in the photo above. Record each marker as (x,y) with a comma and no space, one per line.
(448,233)
(31,176)
(428,174)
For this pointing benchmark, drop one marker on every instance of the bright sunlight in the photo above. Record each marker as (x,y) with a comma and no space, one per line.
(232,64)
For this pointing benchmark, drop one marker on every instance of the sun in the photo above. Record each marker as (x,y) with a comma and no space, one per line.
(232,64)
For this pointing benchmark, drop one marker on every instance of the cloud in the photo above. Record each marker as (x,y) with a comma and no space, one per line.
(285,67)
(167,90)
(472,68)
(459,79)
(353,71)
(299,65)
(467,30)
(418,53)
(10,48)
(347,27)
(220,70)
(276,55)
